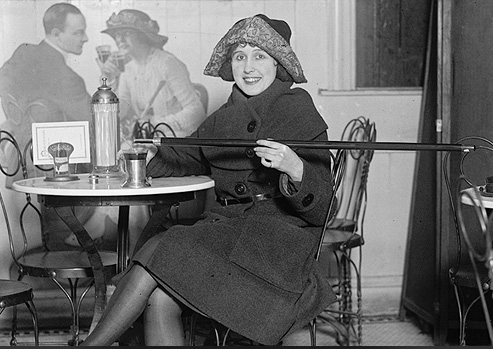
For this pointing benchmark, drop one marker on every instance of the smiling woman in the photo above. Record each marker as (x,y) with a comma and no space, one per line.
(253,69)
(232,264)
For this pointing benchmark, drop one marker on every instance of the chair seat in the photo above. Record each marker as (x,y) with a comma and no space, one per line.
(14,293)
(337,240)
(66,264)
(466,277)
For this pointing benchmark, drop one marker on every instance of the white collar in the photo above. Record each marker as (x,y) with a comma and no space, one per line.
(64,54)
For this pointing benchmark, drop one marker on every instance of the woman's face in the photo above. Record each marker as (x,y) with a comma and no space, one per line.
(253,69)
(129,42)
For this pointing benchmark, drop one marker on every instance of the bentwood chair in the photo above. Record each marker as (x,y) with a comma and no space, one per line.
(60,266)
(480,257)
(344,233)
(471,274)
(13,293)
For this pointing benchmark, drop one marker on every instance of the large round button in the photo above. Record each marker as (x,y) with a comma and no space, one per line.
(307,200)
(250,152)
(251,126)
(240,188)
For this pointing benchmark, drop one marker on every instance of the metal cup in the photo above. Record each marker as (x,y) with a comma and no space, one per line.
(134,166)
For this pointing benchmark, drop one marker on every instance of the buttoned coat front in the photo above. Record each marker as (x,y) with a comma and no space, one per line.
(250,266)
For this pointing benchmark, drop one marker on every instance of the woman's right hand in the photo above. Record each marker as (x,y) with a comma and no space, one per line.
(151,149)
(109,69)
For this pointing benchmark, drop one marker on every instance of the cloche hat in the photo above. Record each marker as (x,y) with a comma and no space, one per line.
(270,35)
(138,20)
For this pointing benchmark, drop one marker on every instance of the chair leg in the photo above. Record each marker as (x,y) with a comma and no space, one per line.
(463,311)
(32,309)
(313,332)
(75,305)
(193,323)
(347,317)
(221,332)
(13,332)
(193,327)
(351,265)
(34,315)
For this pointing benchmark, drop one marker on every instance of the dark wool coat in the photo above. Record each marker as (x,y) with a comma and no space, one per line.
(250,266)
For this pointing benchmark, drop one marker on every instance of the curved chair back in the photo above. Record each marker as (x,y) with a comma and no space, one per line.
(351,193)
(18,125)
(472,229)
(480,255)
(465,178)
(344,231)
(350,173)
(17,164)
(13,293)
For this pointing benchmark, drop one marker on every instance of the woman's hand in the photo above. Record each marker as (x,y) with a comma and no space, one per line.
(109,69)
(151,149)
(281,157)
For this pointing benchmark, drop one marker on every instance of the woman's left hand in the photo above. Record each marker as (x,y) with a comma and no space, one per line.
(281,157)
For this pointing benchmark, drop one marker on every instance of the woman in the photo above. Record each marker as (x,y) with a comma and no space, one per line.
(249,262)
(176,103)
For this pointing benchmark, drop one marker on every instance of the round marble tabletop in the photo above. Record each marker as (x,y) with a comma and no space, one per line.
(111,186)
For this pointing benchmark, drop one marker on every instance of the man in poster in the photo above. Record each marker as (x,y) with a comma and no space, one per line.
(37,85)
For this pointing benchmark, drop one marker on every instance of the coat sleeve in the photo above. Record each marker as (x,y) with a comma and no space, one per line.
(176,161)
(311,200)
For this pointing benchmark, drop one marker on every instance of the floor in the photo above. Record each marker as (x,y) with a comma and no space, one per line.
(381,326)
(377,331)
(383,332)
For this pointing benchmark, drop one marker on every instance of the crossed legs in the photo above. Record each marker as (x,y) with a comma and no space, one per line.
(138,291)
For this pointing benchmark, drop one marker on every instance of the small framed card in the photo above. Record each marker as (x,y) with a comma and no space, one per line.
(73,132)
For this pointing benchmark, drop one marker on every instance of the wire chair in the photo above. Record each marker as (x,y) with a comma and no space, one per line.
(71,266)
(146,130)
(13,293)
(477,273)
(344,232)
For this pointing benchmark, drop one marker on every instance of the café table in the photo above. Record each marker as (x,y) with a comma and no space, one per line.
(85,191)
(486,198)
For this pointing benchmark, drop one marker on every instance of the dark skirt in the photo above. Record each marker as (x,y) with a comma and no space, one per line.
(197,262)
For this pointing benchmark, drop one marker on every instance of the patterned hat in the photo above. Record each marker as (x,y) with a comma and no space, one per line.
(270,35)
(138,20)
